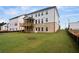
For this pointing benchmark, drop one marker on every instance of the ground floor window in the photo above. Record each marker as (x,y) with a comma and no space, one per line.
(41,28)
(46,28)
(38,28)
(10,28)
(16,29)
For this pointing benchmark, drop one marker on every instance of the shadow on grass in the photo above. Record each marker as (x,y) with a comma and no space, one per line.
(31,38)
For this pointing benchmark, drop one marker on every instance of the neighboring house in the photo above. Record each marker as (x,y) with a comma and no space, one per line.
(44,20)
(74,26)
(4,27)
(14,23)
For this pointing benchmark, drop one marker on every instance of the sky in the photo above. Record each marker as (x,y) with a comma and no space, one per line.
(67,13)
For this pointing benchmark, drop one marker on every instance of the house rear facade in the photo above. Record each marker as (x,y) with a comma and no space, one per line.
(44,20)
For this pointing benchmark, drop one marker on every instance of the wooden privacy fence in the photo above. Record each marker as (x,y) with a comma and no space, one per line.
(74,35)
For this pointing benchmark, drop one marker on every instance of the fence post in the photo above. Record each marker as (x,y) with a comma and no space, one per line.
(77,40)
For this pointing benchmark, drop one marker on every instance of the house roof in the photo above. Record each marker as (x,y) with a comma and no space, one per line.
(36,12)
(43,9)
(27,18)
(16,17)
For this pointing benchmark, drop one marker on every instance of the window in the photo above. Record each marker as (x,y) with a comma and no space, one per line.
(39,21)
(10,28)
(35,21)
(41,28)
(38,28)
(39,14)
(36,15)
(32,16)
(15,24)
(46,28)
(42,21)
(16,29)
(9,24)
(46,12)
(42,13)
(13,29)
(46,19)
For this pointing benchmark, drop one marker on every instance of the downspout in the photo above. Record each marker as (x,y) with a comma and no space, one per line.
(54,20)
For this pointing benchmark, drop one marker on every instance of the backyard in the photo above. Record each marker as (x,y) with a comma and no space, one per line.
(37,42)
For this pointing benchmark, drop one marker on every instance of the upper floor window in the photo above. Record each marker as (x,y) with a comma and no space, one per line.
(15,24)
(46,19)
(35,21)
(5,26)
(42,13)
(39,14)
(46,12)
(41,20)
(36,15)
(10,24)
(32,16)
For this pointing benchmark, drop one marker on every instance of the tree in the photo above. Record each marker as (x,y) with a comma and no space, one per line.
(1,24)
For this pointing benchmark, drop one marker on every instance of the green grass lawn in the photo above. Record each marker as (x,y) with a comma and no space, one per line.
(37,42)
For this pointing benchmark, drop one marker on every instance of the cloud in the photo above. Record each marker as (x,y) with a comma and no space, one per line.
(24,8)
(70,13)
(10,12)
(14,11)
(7,12)
(3,20)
